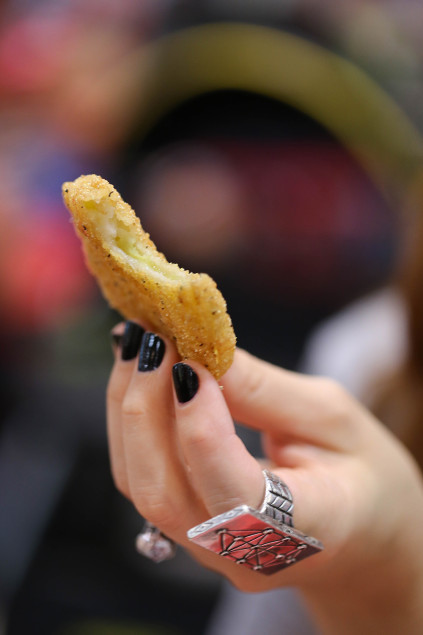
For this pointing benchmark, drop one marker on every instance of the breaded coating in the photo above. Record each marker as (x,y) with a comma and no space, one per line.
(138,281)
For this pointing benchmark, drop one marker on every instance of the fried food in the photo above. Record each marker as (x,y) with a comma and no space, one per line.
(141,284)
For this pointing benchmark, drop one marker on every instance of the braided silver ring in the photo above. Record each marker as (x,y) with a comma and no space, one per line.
(278,503)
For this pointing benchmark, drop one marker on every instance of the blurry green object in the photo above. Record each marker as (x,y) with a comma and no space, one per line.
(291,69)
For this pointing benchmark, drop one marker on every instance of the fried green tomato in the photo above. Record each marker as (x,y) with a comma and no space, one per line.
(138,281)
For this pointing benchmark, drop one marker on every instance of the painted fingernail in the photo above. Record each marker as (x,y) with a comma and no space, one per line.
(151,352)
(131,340)
(186,382)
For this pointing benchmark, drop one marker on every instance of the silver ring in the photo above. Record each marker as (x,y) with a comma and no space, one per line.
(263,540)
(278,503)
(153,544)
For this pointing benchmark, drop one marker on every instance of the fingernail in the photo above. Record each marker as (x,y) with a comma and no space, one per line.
(151,352)
(186,382)
(116,340)
(131,340)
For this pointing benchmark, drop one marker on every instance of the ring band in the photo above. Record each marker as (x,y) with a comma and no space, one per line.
(258,539)
(278,503)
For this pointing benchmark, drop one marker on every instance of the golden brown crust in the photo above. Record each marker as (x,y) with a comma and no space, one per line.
(184,306)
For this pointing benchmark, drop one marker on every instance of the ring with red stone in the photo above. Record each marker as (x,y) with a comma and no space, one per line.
(263,540)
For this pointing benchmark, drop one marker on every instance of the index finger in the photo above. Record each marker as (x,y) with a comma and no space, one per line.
(222,471)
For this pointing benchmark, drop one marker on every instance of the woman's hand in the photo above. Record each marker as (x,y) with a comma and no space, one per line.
(354,486)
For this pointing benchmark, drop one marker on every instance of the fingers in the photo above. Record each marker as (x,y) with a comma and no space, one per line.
(174,447)
(174,451)
(225,475)
(165,451)
(289,405)
(157,479)
(126,340)
(223,472)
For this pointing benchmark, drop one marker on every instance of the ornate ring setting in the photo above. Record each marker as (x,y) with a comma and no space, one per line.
(263,540)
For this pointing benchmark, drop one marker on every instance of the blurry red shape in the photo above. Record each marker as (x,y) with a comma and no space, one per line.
(31,53)
(45,280)
(312,210)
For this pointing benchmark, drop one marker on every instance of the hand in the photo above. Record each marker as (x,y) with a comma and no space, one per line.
(355,487)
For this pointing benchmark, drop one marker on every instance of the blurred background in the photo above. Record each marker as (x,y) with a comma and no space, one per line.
(270,144)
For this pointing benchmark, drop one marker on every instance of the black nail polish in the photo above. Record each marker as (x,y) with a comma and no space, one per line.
(186,382)
(151,352)
(131,340)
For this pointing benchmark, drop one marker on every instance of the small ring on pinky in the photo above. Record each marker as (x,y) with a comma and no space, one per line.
(153,544)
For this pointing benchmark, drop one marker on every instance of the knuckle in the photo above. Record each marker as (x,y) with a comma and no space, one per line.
(131,407)
(337,401)
(198,440)
(254,384)
(330,388)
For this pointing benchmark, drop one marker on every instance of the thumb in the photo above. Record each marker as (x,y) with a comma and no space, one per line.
(286,404)
(313,431)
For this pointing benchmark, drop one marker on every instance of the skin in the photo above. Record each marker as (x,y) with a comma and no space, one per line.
(354,485)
